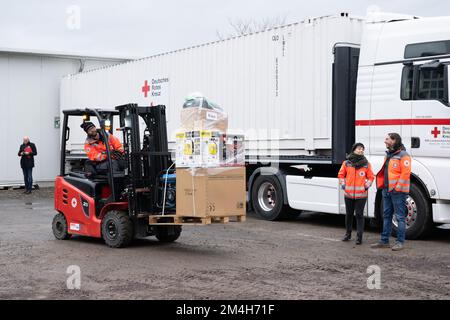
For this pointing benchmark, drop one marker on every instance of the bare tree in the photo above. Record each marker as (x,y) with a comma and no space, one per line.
(242,27)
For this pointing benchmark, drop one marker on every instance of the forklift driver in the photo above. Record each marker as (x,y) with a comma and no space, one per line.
(95,149)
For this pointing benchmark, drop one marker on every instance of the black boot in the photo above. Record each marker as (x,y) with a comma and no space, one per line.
(359,240)
(347,237)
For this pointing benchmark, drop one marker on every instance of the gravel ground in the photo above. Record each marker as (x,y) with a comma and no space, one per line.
(299,259)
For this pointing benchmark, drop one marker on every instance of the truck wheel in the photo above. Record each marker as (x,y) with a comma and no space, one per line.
(419,221)
(167,233)
(117,229)
(59,227)
(267,198)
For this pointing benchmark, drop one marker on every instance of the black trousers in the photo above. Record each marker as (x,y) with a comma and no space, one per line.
(102,167)
(355,206)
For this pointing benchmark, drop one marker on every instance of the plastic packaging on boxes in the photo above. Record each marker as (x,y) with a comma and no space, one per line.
(202,140)
(234,150)
(209,149)
(199,114)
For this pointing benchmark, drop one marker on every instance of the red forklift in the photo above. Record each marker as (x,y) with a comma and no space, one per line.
(116,206)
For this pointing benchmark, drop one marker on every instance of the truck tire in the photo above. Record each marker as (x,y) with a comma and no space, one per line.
(267,198)
(59,227)
(167,233)
(419,220)
(117,229)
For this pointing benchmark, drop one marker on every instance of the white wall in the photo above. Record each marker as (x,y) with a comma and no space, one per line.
(29,101)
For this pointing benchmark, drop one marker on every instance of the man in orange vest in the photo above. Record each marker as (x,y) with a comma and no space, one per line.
(394,180)
(95,149)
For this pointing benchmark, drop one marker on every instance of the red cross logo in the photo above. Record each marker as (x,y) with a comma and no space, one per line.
(145,88)
(435,132)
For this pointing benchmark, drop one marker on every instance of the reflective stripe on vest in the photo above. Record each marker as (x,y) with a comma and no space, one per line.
(393,183)
(356,195)
(354,188)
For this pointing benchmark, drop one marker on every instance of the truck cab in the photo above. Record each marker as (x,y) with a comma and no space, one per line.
(403,87)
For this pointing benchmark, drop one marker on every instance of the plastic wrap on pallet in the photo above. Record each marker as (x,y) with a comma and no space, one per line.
(233,154)
(211,192)
(199,114)
(183,150)
(209,149)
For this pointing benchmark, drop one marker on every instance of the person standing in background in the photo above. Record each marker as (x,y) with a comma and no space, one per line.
(355,178)
(394,180)
(27,152)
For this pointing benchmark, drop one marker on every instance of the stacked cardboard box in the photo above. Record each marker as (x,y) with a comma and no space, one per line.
(210,163)
(203,140)
(198,118)
(209,149)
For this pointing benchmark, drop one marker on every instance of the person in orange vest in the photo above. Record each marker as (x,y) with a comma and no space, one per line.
(356,177)
(95,149)
(394,180)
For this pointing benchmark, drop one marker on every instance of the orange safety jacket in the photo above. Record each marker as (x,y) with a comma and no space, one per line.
(96,149)
(399,172)
(354,179)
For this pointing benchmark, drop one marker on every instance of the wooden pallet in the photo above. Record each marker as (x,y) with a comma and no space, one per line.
(177,220)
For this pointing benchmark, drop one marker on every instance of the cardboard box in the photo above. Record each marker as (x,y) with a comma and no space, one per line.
(204,192)
(212,151)
(209,149)
(183,150)
(198,119)
(199,149)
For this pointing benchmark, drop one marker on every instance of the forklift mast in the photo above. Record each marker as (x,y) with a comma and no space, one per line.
(147,161)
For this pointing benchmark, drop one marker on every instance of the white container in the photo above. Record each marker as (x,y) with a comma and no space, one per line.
(276,86)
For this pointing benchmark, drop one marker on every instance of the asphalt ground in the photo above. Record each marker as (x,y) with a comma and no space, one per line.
(298,259)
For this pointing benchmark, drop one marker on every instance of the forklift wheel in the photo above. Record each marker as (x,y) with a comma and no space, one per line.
(59,227)
(117,229)
(167,233)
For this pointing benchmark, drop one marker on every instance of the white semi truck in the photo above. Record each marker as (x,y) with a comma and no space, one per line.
(303,94)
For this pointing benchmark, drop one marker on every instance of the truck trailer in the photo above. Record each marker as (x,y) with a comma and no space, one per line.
(303,94)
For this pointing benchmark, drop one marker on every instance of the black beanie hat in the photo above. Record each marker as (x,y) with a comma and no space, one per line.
(87,125)
(356,145)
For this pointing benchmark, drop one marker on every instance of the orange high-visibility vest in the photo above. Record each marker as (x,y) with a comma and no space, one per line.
(355,179)
(399,172)
(96,149)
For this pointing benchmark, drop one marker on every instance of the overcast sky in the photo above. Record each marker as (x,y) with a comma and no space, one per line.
(140,28)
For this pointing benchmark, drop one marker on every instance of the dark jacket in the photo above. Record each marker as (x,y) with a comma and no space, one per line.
(27,161)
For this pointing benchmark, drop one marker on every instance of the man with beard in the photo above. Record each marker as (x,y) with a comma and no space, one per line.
(95,149)
(394,180)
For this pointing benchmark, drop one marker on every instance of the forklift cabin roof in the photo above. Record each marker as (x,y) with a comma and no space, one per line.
(90,112)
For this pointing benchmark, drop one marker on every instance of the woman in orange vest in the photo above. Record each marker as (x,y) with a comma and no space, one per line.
(355,178)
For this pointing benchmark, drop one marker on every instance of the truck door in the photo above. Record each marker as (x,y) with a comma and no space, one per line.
(388,112)
(430,111)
